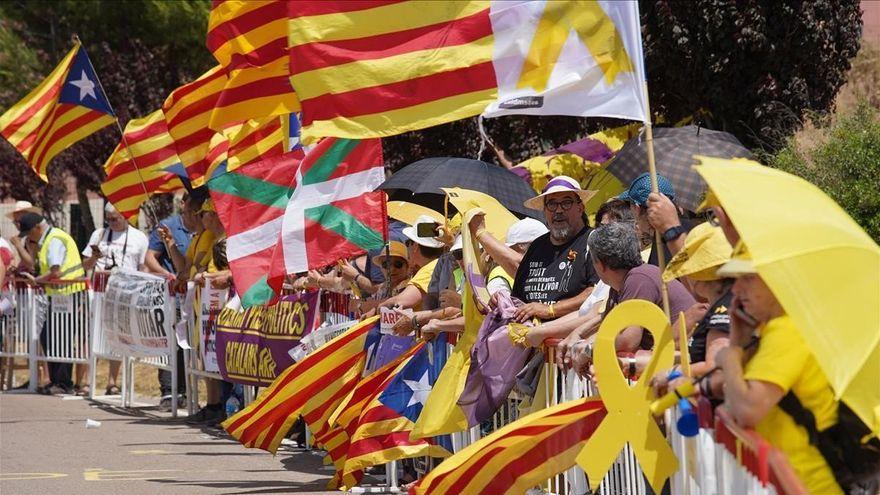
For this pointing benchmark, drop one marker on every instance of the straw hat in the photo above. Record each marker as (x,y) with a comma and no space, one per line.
(704,250)
(559,184)
(395,250)
(21,207)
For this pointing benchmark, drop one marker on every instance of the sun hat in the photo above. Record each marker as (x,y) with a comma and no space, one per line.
(525,230)
(640,188)
(740,263)
(28,221)
(709,200)
(395,250)
(705,249)
(23,206)
(559,184)
(411,233)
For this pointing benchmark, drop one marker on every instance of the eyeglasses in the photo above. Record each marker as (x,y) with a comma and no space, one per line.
(458,254)
(565,204)
(397,264)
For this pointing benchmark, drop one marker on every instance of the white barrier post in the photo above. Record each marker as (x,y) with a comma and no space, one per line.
(34,338)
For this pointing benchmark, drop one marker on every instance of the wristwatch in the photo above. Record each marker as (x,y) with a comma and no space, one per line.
(673,233)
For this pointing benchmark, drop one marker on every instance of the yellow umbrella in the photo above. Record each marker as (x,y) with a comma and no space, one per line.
(498,218)
(823,268)
(408,212)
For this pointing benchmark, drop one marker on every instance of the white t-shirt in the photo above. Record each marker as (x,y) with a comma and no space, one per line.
(112,246)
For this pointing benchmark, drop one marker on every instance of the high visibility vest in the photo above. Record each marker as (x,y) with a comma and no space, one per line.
(71,269)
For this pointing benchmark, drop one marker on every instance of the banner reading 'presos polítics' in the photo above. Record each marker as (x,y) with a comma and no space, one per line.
(253,345)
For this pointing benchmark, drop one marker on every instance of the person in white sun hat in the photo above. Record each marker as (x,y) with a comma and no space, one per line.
(554,275)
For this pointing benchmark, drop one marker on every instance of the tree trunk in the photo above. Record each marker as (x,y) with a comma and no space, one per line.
(87,221)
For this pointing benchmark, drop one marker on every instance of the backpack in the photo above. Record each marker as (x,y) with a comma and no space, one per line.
(854,461)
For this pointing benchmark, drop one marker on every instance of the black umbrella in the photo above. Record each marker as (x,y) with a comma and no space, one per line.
(674,150)
(420,183)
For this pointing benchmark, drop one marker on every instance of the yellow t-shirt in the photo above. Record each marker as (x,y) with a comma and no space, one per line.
(422,278)
(199,251)
(783,359)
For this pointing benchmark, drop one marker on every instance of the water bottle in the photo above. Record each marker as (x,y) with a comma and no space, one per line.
(232,405)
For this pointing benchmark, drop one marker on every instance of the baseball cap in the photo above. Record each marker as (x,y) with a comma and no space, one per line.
(395,250)
(640,188)
(525,230)
(28,221)
(740,263)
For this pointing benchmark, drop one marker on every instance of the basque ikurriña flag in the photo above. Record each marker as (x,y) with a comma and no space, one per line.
(67,106)
(383,429)
(334,212)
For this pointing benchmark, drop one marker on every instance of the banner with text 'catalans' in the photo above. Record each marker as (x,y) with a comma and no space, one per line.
(137,314)
(253,345)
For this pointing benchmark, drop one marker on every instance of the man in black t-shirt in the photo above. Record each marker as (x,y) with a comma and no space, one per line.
(555,275)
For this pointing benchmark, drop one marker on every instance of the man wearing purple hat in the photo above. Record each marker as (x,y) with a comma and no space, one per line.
(554,275)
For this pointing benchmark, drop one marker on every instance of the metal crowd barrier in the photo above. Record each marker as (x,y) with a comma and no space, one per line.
(14,331)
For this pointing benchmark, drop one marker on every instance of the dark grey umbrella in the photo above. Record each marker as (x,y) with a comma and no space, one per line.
(674,150)
(420,183)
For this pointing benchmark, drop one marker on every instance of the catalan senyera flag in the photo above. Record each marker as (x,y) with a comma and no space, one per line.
(337,429)
(249,39)
(519,456)
(334,212)
(372,69)
(333,369)
(187,113)
(382,432)
(136,169)
(66,106)
(247,142)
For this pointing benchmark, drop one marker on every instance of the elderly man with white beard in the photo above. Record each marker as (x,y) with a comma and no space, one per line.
(554,276)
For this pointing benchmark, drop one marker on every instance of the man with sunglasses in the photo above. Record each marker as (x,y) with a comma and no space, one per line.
(554,275)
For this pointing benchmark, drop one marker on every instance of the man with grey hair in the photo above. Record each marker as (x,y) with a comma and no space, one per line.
(614,249)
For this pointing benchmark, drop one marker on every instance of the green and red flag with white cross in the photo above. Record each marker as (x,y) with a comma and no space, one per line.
(334,212)
(250,202)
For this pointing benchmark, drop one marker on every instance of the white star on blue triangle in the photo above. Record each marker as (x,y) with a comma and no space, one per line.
(81,86)
(409,390)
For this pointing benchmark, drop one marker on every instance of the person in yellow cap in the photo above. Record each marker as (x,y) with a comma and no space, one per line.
(760,385)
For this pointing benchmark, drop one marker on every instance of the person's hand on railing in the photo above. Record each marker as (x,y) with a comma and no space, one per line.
(450,299)
(563,350)
(219,280)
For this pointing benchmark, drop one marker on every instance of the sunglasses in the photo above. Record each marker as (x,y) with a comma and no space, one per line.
(565,204)
(396,263)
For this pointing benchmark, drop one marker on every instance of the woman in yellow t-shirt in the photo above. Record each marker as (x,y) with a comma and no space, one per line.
(755,383)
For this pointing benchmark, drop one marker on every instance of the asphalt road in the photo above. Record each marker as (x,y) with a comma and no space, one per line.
(45,448)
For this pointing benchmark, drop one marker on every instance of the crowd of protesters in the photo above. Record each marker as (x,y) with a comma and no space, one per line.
(563,275)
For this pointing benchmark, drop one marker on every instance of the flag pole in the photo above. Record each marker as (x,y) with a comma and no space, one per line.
(147,207)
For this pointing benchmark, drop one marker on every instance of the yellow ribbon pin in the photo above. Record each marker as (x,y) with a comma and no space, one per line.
(629,418)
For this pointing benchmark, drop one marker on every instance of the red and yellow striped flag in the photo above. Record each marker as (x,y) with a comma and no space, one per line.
(373,69)
(67,106)
(330,372)
(519,456)
(249,39)
(187,112)
(138,170)
(244,143)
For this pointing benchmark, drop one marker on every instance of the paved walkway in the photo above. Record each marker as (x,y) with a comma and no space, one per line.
(45,448)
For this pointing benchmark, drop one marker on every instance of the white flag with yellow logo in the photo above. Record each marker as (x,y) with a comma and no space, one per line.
(581,58)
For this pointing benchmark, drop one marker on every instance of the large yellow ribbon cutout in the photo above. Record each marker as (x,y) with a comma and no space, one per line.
(629,418)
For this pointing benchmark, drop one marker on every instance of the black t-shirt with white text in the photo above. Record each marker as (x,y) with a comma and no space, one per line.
(550,273)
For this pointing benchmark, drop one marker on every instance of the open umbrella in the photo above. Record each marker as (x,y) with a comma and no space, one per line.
(822,267)
(421,183)
(674,150)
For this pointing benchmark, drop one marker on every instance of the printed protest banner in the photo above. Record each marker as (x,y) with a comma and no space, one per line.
(253,345)
(137,314)
(211,303)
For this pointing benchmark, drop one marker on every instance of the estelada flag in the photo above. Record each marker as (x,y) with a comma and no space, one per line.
(249,40)
(136,169)
(335,369)
(383,430)
(66,107)
(334,211)
(521,455)
(372,69)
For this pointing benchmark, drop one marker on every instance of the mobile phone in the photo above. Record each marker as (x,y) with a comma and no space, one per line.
(744,315)
(426,229)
